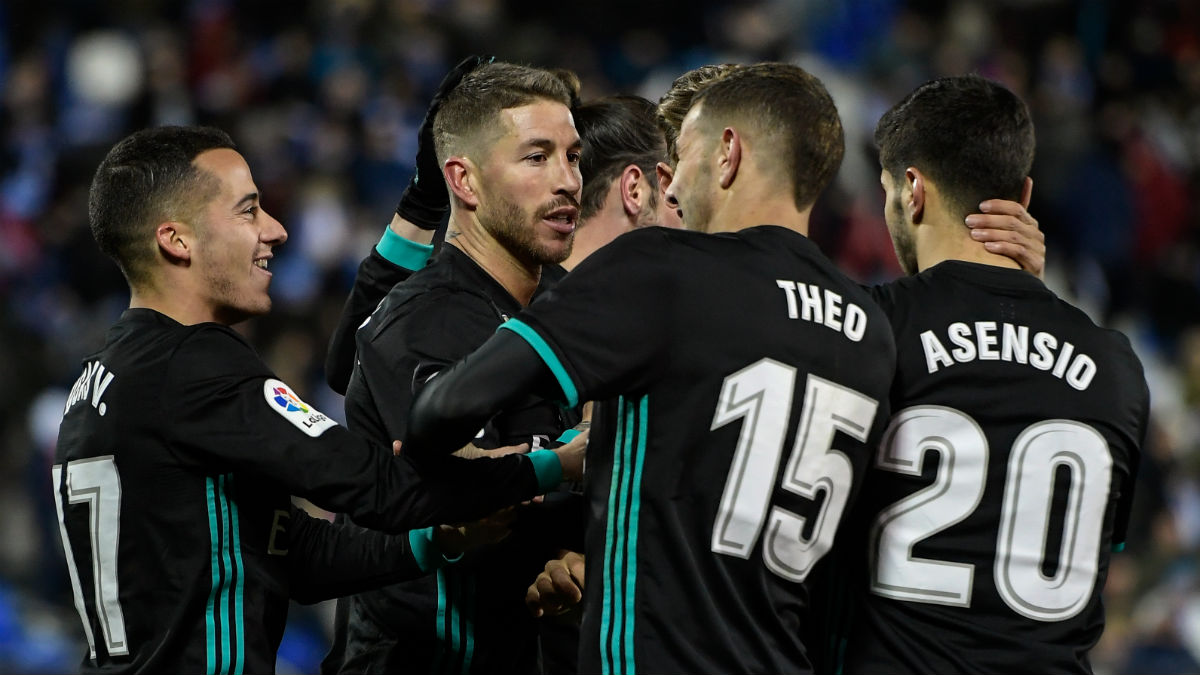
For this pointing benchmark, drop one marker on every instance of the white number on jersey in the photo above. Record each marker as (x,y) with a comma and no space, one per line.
(95,482)
(761,396)
(1024,528)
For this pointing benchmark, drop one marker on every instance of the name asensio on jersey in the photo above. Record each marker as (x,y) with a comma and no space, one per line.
(989,341)
(823,306)
(91,385)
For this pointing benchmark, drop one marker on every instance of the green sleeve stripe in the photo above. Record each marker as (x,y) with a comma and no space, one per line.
(547,468)
(568,435)
(425,551)
(543,350)
(402,252)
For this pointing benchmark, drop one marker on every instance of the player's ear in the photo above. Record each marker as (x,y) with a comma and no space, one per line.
(462,178)
(175,240)
(665,175)
(914,194)
(1026,192)
(633,190)
(731,156)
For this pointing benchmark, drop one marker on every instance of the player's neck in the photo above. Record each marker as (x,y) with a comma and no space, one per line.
(943,237)
(736,215)
(755,199)
(470,237)
(186,308)
(593,233)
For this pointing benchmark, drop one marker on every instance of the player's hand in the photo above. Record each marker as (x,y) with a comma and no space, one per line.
(1007,229)
(425,200)
(469,451)
(455,540)
(572,455)
(559,587)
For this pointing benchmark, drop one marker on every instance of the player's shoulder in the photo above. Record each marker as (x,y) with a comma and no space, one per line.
(212,348)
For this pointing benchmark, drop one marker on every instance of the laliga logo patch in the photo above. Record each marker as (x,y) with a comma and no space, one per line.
(305,418)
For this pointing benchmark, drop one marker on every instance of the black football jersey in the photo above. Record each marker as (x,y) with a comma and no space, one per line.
(743,380)
(176,458)
(469,617)
(1002,483)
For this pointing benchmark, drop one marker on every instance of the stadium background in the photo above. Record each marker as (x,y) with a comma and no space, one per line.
(324,98)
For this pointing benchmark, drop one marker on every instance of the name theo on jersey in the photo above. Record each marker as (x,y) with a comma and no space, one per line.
(823,306)
(992,341)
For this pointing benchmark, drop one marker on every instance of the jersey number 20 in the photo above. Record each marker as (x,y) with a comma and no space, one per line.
(761,396)
(95,482)
(1025,515)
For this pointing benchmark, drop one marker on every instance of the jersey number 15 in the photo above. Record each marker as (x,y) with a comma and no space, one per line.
(761,396)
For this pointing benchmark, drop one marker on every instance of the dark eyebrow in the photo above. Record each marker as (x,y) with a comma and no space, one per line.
(248,199)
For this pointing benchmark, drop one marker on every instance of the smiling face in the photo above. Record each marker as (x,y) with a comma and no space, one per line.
(530,183)
(234,240)
(693,187)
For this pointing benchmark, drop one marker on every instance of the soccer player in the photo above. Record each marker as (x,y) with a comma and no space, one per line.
(179,449)
(510,158)
(407,243)
(744,379)
(1006,473)
(621,149)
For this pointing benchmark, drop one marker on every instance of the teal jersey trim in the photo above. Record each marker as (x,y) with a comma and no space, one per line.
(607,608)
(548,469)
(568,435)
(441,621)
(548,356)
(619,607)
(214,543)
(239,584)
(1117,548)
(225,651)
(631,538)
(403,252)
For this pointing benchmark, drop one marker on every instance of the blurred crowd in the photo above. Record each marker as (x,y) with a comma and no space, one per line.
(324,98)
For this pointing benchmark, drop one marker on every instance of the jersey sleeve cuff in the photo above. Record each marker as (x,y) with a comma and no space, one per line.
(1117,548)
(402,252)
(568,435)
(527,333)
(547,468)
(425,550)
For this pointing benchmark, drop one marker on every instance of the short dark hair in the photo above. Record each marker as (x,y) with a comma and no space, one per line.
(790,112)
(616,131)
(148,178)
(972,136)
(468,115)
(674,105)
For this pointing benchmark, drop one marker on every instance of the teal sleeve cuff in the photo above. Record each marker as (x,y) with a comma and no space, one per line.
(1117,548)
(548,356)
(425,550)
(547,468)
(569,435)
(402,252)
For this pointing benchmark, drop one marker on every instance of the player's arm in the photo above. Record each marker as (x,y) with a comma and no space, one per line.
(406,244)
(327,560)
(589,339)
(404,248)
(463,397)
(1006,228)
(230,410)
